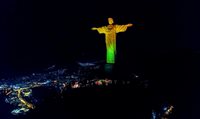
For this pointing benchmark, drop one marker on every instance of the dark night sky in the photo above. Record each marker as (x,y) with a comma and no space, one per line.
(39,32)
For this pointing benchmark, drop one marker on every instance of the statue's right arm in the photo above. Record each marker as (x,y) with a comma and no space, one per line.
(100,29)
(94,28)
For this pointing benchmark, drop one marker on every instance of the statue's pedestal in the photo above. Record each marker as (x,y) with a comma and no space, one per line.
(108,68)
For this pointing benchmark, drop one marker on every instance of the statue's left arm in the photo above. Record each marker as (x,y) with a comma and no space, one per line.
(122,28)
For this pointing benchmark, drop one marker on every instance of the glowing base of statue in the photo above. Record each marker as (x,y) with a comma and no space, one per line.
(110,56)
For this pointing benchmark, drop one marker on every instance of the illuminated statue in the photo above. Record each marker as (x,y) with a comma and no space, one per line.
(110,32)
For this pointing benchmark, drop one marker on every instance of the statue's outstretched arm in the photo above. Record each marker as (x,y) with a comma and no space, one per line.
(94,28)
(100,29)
(129,25)
(122,28)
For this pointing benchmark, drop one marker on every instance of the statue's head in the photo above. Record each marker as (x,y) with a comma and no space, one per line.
(110,20)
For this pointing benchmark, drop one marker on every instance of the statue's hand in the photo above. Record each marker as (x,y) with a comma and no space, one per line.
(129,25)
(94,28)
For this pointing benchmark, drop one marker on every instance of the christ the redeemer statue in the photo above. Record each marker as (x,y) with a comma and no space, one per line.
(110,32)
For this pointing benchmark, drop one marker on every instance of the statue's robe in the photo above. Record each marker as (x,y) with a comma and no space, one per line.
(110,40)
